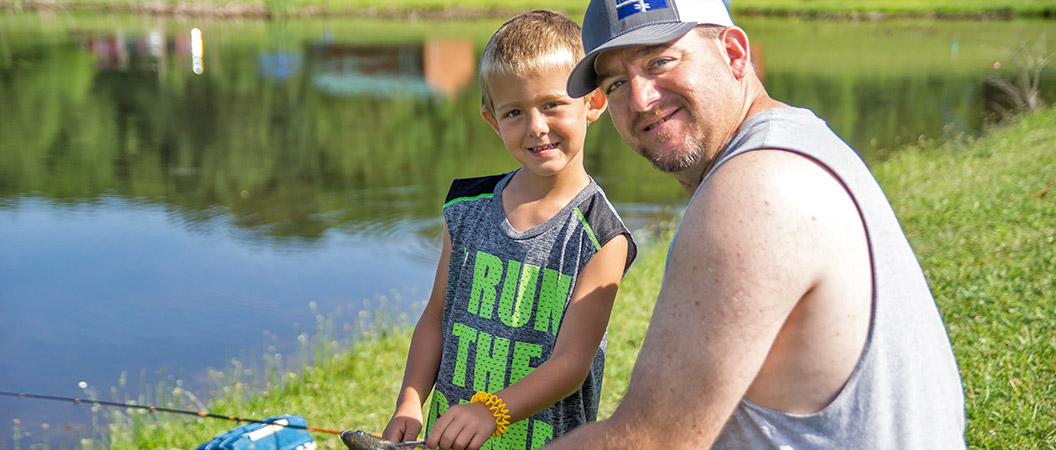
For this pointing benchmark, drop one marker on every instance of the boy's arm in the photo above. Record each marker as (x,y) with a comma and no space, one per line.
(423,358)
(583,326)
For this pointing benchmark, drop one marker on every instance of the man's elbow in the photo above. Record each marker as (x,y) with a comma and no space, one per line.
(649,425)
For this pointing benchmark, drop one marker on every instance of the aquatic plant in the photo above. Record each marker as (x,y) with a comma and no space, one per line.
(1021,93)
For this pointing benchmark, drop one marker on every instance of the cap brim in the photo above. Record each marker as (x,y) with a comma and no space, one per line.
(583,79)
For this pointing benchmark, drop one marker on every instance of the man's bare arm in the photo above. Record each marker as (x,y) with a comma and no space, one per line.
(748,250)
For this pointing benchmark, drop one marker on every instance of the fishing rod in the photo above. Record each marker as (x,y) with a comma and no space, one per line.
(169,410)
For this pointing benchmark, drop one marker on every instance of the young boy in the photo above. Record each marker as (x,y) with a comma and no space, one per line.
(513,335)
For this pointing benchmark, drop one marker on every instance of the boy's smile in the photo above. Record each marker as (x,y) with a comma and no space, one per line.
(542,148)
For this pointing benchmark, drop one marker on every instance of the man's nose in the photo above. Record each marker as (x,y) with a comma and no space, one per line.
(644,93)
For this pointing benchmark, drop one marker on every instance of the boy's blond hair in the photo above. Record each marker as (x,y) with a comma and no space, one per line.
(529,43)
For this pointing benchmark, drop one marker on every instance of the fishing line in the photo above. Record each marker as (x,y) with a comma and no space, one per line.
(169,410)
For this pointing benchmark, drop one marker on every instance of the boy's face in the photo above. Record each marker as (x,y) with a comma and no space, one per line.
(541,126)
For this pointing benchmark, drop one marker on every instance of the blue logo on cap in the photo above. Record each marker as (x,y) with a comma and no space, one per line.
(626,8)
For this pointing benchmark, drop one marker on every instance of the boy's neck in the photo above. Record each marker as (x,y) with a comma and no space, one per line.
(530,200)
(538,187)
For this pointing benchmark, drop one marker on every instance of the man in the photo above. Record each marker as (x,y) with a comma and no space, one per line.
(793,312)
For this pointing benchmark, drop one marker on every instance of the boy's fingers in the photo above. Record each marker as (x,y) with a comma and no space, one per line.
(478,441)
(401,429)
(470,437)
(388,435)
(439,428)
(455,436)
(462,441)
(392,431)
(411,432)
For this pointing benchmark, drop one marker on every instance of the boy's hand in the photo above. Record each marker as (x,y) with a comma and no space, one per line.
(462,427)
(404,426)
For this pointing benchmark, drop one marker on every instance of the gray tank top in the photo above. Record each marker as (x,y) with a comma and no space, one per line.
(507,292)
(905,392)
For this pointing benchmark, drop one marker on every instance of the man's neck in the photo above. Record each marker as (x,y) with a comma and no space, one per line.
(760,101)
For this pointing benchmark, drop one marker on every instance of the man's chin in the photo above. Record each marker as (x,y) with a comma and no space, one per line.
(670,163)
(670,168)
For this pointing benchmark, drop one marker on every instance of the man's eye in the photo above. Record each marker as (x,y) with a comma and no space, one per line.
(612,86)
(660,62)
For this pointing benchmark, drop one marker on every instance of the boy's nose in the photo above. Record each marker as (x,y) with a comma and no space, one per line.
(537,124)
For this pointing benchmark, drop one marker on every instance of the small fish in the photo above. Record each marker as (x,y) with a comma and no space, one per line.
(361,440)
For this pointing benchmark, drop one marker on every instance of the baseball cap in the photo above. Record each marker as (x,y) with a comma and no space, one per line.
(610,24)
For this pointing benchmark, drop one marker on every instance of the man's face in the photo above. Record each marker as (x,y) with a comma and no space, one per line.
(670,101)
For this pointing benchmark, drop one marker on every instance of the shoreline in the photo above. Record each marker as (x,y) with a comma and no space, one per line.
(237,11)
(258,11)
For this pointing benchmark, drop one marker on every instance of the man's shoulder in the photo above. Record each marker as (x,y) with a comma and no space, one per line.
(759,170)
(766,190)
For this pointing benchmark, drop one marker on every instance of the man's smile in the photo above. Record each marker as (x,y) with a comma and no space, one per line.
(662,120)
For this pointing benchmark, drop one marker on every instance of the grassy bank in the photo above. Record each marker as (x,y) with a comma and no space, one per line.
(505,8)
(879,8)
(979,213)
(982,218)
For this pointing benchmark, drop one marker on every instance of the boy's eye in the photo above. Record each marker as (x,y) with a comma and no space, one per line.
(512,113)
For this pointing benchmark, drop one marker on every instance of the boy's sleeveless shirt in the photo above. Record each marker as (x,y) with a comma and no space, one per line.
(507,291)
(905,392)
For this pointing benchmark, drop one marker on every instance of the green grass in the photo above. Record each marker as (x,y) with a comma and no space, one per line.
(982,218)
(980,213)
(347,389)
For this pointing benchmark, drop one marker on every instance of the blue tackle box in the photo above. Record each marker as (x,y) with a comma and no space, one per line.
(262,436)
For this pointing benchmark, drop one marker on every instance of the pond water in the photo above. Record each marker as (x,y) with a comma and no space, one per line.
(179,193)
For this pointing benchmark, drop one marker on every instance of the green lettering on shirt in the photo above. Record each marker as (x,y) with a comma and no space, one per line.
(514,310)
(523,352)
(555,289)
(487,271)
(466,335)
(515,437)
(437,409)
(489,372)
(542,433)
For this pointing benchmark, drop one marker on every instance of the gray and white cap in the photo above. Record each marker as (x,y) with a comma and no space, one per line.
(610,24)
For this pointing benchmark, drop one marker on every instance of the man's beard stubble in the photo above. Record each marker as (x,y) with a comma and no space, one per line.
(684,158)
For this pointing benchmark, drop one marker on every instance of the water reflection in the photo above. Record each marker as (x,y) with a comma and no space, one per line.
(438,67)
(147,50)
(308,162)
(276,67)
(449,64)
(197,66)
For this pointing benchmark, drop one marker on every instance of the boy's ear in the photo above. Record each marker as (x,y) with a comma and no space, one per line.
(490,119)
(596,104)
(735,42)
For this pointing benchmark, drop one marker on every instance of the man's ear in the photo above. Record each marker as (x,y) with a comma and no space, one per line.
(735,41)
(596,104)
(490,119)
